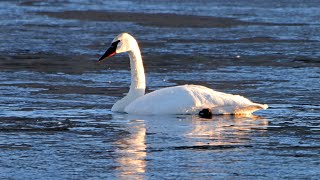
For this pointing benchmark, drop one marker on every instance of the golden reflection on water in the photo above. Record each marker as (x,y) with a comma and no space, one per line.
(132,153)
(224,130)
(192,130)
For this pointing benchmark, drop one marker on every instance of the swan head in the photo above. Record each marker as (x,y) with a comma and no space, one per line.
(124,42)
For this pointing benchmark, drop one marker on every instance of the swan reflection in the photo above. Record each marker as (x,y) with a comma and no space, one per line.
(131,151)
(167,133)
(224,130)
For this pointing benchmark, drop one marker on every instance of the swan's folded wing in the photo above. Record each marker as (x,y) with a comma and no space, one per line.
(171,100)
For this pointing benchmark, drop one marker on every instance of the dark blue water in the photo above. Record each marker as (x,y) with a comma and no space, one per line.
(55,118)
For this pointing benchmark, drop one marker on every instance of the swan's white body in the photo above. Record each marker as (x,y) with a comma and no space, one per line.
(190,99)
(186,99)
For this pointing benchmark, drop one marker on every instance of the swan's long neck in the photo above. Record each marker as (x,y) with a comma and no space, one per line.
(138,79)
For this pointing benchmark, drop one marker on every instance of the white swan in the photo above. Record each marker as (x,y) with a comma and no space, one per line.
(186,99)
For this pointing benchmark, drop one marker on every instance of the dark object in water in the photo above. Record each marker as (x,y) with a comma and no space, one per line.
(205,113)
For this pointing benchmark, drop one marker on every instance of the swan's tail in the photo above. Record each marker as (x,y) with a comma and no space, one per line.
(250,109)
(232,110)
(261,106)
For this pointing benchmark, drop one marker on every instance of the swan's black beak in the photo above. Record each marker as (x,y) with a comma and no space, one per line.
(110,52)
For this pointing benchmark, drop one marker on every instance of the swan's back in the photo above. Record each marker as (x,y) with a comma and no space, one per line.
(190,99)
(171,100)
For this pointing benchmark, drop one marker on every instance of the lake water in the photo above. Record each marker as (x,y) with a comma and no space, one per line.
(55,117)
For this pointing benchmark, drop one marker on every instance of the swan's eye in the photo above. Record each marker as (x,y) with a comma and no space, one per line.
(114,44)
